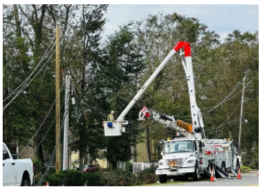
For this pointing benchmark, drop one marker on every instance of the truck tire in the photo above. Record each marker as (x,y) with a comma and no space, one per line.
(196,175)
(163,178)
(25,182)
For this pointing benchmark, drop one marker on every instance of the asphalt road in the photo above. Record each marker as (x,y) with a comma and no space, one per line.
(248,179)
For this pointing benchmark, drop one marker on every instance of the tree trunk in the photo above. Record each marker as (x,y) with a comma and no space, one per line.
(81,158)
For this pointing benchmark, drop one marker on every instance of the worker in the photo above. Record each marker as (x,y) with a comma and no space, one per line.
(111,116)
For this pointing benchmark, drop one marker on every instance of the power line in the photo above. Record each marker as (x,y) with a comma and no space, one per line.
(25,85)
(53,154)
(223,101)
(43,121)
(47,51)
(225,124)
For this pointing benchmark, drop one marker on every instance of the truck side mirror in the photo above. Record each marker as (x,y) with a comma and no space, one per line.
(5,154)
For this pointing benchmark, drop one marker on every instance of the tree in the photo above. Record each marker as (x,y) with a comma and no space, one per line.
(86,42)
(124,66)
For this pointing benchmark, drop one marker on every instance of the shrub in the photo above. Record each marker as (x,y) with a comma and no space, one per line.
(38,166)
(129,167)
(67,178)
(92,179)
(38,169)
(245,169)
(55,179)
(118,177)
(146,176)
(72,178)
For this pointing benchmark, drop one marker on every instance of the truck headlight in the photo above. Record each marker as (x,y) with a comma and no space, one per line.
(190,161)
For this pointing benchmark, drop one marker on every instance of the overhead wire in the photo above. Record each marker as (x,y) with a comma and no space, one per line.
(51,107)
(54,150)
(41,60)
(45,134)
(223,101)
(25,85)
(229,123)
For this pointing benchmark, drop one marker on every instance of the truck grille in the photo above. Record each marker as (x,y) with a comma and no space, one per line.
(178,161)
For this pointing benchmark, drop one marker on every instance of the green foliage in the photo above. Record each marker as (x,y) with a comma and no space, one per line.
(55,179)
(92,179)
(38,166)
(251,158)
(245,169)
(129,167)
(72,178)
(125,65)
(107,76)
(146,176)
(67,178)
(118,177)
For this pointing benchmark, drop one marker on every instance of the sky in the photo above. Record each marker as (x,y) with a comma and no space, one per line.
(221,18)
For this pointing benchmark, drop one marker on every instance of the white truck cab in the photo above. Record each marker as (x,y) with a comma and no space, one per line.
(16,172)
(181,157)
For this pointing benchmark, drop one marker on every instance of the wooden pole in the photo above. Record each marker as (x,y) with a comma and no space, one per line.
(57,74)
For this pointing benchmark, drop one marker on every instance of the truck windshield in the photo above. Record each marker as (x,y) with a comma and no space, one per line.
(178,146)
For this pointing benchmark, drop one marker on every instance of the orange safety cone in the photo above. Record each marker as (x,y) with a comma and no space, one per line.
(239,174)
(47,184)
(212,178)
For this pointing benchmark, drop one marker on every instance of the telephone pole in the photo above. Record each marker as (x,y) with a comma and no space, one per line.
(241,116)
(57,74)
(66,124)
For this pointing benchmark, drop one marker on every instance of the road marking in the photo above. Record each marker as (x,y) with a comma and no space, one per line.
(257,184)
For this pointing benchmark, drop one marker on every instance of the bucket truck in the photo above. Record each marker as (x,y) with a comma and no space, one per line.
(115,128)
(187,155)
(191,154)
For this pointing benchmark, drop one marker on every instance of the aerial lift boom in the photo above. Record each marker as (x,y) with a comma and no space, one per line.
(183,128)
(116,128)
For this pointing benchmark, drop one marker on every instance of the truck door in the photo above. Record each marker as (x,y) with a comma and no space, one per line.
(9,169)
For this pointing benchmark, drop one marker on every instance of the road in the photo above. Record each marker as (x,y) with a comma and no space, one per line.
(248,179)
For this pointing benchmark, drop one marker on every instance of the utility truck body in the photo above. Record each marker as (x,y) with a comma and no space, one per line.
(16,172)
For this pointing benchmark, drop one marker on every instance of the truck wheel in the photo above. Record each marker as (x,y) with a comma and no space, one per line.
(163,178)
(196,174)
(25,182)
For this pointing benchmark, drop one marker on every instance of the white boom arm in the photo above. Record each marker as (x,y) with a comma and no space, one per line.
(148,82)
(115,128)
(182,127)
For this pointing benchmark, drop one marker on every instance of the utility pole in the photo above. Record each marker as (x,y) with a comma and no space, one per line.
(57,74)
(66,123)
(241,116)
